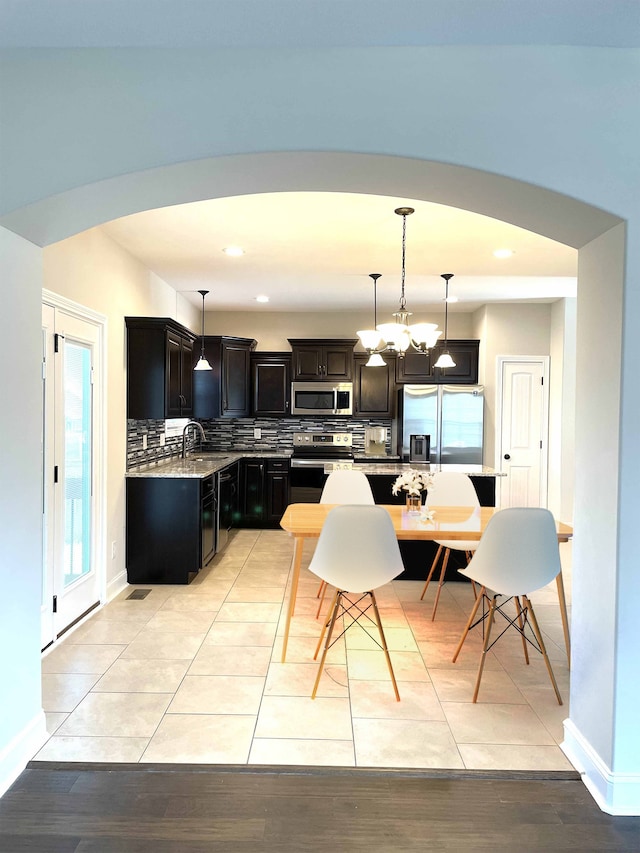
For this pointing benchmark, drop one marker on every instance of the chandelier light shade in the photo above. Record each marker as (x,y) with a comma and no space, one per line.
(398,336)
(202,364)
(445,359)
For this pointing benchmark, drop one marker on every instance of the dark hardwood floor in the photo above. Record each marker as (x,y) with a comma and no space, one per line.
(71,808)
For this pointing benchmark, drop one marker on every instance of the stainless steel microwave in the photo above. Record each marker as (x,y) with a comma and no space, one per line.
(321,398)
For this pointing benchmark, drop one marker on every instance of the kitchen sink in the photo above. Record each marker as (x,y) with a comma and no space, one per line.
(208,458)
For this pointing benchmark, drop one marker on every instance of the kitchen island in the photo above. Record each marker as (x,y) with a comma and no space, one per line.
(381,472)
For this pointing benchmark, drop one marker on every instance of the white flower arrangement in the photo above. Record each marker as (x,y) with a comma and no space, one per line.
(413,482)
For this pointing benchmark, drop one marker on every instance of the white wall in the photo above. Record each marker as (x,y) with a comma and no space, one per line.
(511,329)
(21,718)
(272,328)
(595,549)
(96,272)
(562,393)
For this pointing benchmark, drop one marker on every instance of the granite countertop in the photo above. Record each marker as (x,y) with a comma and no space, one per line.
(199,464)
(398,467)
(383,457)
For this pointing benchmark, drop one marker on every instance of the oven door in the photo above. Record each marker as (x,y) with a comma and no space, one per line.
(307,479)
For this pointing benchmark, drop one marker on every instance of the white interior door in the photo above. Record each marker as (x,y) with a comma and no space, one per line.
(71,575)
(522,444)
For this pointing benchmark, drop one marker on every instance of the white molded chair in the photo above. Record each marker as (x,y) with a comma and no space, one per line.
(344,486)
(518,553)
(450,489)
(357,552)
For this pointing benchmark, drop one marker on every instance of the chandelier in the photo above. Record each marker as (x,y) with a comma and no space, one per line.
(397,337)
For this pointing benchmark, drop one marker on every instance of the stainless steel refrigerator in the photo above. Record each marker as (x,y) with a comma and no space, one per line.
(452,415)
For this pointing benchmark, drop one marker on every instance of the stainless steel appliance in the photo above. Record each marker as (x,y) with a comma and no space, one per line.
(322,398)
(209,516)
(227,504)
(451,415)
(311,451)
(419,448)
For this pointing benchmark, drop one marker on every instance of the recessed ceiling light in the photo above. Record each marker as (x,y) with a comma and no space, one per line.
(234,251)
(503,253)
(262,298)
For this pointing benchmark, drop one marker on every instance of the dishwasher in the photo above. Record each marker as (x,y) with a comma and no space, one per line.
(227,503)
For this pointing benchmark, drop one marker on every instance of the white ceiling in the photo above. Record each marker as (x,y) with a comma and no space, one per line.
(314,251)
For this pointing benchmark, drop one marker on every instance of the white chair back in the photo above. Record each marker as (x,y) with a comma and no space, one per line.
(453,489)
(357,549)
(346,486)
(518,552)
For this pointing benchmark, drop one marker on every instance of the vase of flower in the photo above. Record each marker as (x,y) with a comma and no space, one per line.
(414,483)
(413,504)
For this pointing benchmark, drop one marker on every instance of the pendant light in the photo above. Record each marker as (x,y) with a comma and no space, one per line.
(397,337)
(445,359)
(371,338)
(202,364)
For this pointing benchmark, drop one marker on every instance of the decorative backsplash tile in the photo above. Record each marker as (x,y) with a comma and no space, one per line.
(238,434)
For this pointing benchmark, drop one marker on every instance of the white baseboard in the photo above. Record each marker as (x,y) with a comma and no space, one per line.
(116,586)
(20,750)
(615,793)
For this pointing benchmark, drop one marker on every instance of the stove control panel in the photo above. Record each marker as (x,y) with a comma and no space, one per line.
(320,439)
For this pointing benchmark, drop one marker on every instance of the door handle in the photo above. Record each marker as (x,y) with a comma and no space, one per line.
(507,456)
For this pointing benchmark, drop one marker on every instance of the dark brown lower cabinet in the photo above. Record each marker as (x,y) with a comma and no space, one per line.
(170,528)
(264,490)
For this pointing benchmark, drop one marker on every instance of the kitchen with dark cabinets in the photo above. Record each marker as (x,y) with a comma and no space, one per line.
(180,511)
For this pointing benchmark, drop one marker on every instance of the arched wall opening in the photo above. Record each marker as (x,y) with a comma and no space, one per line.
(600,239)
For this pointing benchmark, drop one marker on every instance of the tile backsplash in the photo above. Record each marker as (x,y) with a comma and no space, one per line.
(238,434)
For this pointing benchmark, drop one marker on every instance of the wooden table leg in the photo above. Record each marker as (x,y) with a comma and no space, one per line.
(563,614)
(293,592)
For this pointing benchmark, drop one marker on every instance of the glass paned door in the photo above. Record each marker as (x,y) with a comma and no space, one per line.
(73,550)
(77,461)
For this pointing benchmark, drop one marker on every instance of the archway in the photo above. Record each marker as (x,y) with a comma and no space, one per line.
(598,234)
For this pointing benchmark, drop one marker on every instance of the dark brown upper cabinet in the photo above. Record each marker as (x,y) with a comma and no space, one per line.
(322,359)
(418,368)
(159,368)
(225,390)
(373,388)
(270,384)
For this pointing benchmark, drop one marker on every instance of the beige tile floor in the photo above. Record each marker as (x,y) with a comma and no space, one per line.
(193,674)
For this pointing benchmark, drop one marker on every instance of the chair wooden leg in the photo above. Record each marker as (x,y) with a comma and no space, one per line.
(521,624)
(384,645)
(321,602)
(470,620)
(334,614)
(321,588)
(325,624)
(485,646)
(431,570)
(538,633)
(445,560)
(563,615)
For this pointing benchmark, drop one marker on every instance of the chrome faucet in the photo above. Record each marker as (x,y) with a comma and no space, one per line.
(184,436)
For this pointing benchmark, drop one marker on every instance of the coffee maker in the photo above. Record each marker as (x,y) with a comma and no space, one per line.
(374,441)
(419,448)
